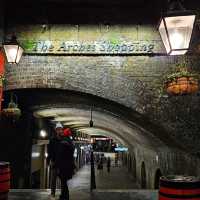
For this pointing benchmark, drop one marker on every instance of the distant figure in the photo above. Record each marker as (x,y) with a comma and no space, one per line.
(100,164)
(108,164)
(97,158)
(116,160)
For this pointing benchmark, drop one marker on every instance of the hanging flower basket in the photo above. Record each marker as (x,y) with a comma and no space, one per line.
(182,82)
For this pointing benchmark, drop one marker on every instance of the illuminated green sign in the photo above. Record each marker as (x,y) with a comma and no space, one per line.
(76,47)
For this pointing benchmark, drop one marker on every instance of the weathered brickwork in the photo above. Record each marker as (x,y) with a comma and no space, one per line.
(133,81)
(167,161)
(86,55)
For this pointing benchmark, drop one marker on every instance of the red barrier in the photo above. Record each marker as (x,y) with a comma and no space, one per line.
(4,180)
(179,188)
(2,70)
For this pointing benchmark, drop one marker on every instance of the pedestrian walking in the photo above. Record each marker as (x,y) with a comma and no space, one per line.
(64,161)
(116,159)
(100,165)
(52,147)
(108,164)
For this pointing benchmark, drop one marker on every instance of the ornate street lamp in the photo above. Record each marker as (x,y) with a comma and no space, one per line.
(13,50)
(176,28)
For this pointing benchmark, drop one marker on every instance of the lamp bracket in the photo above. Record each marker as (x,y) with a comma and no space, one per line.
(176,5)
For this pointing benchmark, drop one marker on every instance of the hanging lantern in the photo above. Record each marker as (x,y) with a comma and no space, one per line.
(91,123)
(176,30)
(13,51)
(12,110)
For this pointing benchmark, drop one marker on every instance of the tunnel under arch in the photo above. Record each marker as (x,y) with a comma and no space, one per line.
(111,118)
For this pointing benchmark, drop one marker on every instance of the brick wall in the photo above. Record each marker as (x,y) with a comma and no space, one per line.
(135,81)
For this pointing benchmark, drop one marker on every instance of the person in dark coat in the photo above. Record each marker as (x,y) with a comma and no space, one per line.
(52,148)
(108,164)
(64,162)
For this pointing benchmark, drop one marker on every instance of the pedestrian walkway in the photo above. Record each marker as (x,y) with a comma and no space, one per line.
(79,188)
(117,178)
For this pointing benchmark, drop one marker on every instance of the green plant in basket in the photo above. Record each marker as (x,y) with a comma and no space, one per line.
(182,81)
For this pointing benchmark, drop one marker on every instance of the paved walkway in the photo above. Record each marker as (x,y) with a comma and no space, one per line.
(117,178)
(79,187)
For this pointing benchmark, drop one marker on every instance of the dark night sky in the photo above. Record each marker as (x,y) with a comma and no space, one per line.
(88,11)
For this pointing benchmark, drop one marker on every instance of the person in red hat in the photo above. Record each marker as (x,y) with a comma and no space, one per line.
(67,132)
(61,151)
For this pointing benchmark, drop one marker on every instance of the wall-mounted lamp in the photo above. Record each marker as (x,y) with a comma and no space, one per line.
(43,134)
(13,50)
(176,28)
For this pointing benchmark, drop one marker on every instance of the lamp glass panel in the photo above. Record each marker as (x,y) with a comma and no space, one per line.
(180,52)
(11,52)
(19,54)
(163,33)
(180,31)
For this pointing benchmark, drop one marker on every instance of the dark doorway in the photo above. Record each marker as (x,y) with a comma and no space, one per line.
(130,164)
(143,176)
(134,166)
(158,174)
(36,180)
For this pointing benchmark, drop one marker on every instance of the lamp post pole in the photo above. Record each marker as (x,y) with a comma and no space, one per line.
(92,180)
